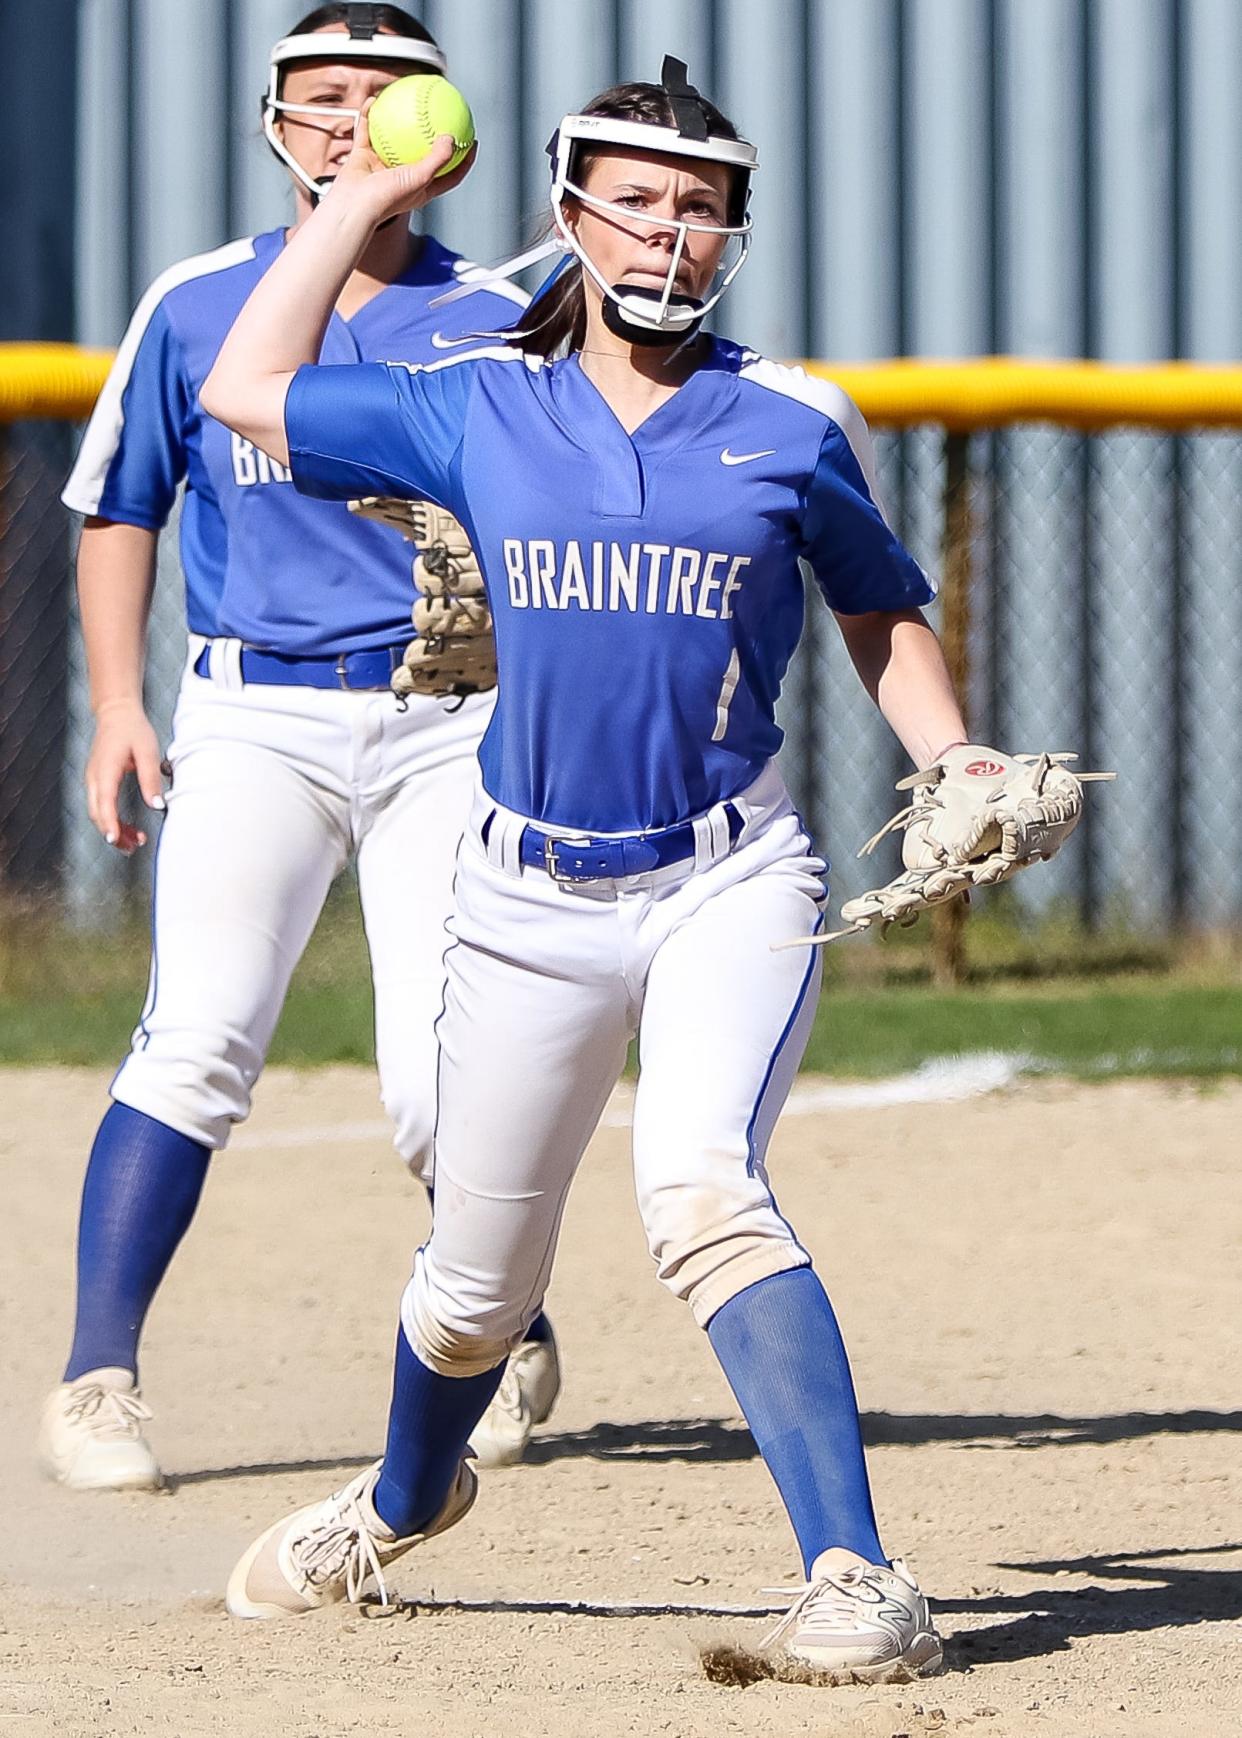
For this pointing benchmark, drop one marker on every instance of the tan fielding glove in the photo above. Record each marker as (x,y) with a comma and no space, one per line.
(455,652)
(975,818)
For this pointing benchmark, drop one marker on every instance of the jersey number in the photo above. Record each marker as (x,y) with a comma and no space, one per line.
(725,696)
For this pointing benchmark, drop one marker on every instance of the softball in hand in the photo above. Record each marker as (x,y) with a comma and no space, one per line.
(410,114)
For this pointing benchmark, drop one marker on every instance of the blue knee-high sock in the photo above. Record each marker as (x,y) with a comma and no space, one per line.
(779,1345)
(429,1425)
(142,1186)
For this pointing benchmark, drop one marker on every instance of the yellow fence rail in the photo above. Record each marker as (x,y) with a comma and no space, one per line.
(63,381)
(58,381)
(995,390)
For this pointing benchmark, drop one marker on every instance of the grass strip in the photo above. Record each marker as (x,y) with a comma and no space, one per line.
(1092,1029)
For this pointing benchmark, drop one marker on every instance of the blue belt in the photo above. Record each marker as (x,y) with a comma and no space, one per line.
(336,670)
(613,859)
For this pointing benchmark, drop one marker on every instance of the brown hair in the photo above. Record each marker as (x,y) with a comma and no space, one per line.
(394,19)
(555,322)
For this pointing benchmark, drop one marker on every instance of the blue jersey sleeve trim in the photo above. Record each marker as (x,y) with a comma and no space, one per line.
(116,513)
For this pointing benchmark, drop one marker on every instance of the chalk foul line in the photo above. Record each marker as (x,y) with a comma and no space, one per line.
(940,1080)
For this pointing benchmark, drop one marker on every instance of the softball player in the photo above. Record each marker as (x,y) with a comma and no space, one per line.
(289,756)
(631,854)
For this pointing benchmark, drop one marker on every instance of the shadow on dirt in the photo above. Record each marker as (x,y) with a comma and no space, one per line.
(714,1440)
(1041,1429)
(1046,1620)
(210,1475)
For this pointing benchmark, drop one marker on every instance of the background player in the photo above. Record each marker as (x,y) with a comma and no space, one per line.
(632,855)
(286,760)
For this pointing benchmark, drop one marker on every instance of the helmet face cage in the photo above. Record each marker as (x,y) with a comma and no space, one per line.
(666,311)
(404,54)
(637,313)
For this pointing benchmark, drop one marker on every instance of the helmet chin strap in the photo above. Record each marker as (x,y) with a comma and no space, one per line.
(679,318)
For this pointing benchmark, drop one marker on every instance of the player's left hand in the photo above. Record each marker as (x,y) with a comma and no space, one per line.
(976,817)
(387,192)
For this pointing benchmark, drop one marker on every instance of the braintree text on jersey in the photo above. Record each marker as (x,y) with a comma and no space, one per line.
(252,465)
(643,578)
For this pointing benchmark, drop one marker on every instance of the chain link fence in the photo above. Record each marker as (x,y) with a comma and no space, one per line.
(35,594)
(1105,616)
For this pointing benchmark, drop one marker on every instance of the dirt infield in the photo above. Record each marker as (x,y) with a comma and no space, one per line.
(1039,1292)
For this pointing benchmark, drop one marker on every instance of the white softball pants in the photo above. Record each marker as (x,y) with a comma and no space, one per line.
(546,983)
(273,790)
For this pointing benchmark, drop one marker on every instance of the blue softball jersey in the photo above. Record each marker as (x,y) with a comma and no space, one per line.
(645,588)
(261,562)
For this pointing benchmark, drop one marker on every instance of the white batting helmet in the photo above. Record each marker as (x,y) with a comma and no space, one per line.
(641,313)
(367,40)
(638,312)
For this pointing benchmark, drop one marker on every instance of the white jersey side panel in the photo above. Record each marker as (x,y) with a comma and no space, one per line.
(84,489)
(826,396)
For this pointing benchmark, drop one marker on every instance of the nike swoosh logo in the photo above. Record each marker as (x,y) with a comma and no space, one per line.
(728,458)
(440,342)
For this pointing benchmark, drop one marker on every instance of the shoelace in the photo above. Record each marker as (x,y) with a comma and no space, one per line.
(829,1603)
(509,1397)
(340,1541)
(108,1409)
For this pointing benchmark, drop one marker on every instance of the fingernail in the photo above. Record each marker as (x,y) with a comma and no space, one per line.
(156,803)
(110,838)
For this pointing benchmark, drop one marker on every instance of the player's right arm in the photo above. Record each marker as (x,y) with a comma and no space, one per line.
(282,326)
(116,577)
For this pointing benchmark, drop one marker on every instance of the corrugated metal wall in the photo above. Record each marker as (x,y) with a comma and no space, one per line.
(940,177)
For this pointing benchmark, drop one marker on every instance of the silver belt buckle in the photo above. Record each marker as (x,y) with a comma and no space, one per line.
(553,868)
(557,873)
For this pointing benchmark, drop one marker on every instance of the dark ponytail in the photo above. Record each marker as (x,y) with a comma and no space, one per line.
(393,18)
(555,322)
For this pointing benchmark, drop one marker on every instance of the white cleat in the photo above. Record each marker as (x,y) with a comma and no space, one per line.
(332,1550)
(90,1435)
(525,1398)
(862,1620)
